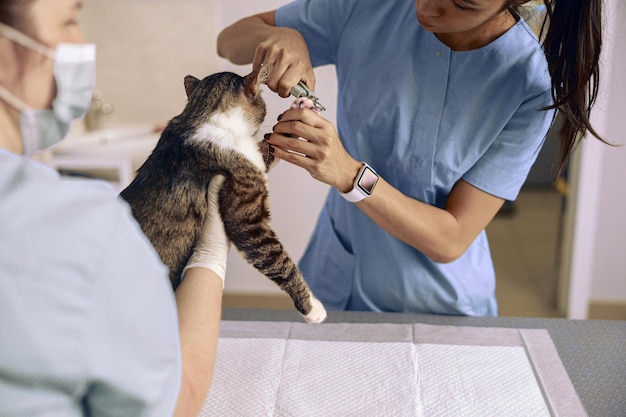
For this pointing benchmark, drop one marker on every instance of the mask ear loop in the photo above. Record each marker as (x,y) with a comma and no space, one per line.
(26,41)
(13,101)
(26,120)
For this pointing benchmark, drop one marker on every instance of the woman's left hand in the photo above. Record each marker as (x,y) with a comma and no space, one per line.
(318,148)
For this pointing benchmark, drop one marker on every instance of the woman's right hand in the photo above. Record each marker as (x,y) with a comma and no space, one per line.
(286,50)
(256,39)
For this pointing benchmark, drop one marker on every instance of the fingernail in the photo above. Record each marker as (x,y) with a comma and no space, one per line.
(267,136)
(280,116)
(271,149)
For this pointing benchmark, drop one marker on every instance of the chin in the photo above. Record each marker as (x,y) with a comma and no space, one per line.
(425,24)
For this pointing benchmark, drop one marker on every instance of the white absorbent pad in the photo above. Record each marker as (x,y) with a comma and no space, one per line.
(299,370)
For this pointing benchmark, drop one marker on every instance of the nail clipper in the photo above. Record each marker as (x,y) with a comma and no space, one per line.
(301,90)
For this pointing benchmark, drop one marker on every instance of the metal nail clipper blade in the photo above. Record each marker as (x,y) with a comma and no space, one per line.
(301,90)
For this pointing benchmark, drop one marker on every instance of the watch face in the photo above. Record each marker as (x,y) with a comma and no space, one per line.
(368,180)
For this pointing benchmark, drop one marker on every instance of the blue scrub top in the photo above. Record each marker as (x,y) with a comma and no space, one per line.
(88,322)
(424,117)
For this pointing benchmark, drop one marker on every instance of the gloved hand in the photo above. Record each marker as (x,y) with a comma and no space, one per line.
(212,249)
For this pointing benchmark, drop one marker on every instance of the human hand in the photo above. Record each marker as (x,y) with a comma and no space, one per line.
(212,249)
(286,51)
(304,138)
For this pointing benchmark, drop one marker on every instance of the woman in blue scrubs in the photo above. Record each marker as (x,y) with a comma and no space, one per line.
(88,321)
(442,109)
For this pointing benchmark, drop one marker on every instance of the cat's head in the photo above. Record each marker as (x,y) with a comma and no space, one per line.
(221,92)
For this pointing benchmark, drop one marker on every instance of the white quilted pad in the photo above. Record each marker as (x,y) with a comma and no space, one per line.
(298,370)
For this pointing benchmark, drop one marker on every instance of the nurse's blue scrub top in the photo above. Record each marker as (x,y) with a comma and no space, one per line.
(424,117)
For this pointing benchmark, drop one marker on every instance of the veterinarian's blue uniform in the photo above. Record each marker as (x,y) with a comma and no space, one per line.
(88,318)
(423,117)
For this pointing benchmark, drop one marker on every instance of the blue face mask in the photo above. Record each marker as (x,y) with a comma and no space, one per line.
(74,73)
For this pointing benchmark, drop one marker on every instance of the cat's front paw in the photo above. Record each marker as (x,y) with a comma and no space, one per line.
(317,313)
(269,159)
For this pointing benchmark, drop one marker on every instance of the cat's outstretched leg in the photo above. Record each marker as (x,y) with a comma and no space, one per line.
(317,313)
(244,207)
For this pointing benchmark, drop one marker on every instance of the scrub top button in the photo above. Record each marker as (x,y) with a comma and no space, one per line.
(438,54)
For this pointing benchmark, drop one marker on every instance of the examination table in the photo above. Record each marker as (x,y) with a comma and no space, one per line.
(270,363)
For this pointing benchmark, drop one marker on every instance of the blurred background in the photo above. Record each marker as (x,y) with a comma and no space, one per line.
(559,250)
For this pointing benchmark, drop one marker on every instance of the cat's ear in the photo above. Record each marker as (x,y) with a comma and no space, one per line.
(264,73)
(190,84)
(254,80)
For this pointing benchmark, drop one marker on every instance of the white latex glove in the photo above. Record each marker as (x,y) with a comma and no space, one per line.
(212,249)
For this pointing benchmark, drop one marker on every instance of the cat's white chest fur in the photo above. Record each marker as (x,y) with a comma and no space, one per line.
(232,130)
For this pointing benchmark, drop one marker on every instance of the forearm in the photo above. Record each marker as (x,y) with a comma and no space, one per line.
(238,42)
(431,230)
(442,234)
(199,303)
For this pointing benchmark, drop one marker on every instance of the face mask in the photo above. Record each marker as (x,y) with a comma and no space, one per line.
(74,73)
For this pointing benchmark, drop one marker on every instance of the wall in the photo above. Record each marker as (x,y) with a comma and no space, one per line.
(145,48)
(597,221)
(610,251)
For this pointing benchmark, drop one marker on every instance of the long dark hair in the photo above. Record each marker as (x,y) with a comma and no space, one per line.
(571,36)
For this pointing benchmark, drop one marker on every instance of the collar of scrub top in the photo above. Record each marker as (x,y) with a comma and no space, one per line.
(301,90)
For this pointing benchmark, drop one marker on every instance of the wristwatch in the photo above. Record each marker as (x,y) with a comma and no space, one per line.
(363,185)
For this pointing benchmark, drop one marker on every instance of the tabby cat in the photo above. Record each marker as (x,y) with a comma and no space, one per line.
(215,134)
